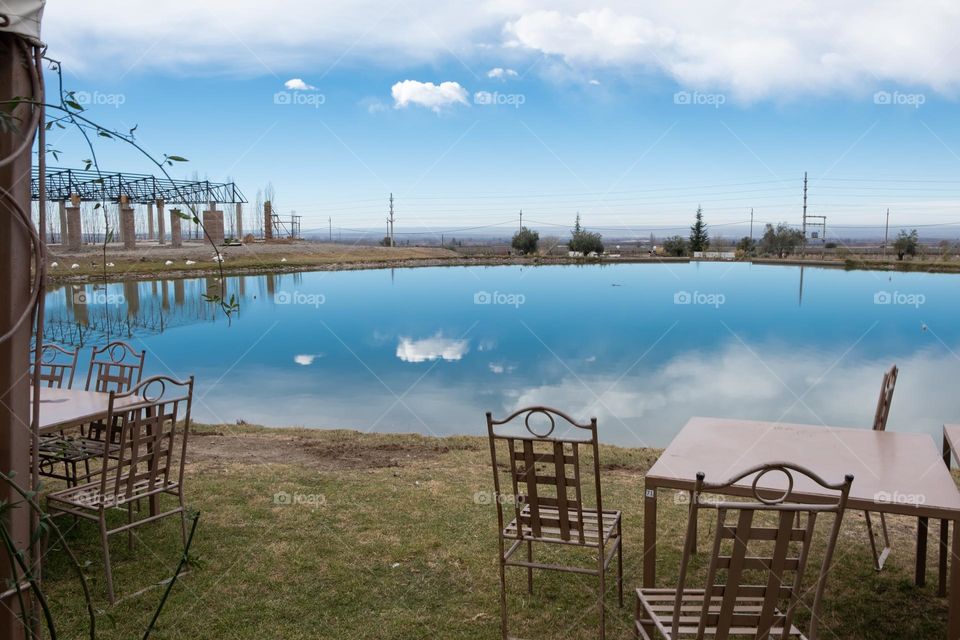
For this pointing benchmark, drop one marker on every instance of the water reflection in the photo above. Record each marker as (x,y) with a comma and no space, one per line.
(411,351)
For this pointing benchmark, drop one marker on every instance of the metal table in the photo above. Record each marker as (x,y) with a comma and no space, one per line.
(897,473)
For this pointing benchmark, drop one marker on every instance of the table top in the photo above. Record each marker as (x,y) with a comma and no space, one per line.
(66,408)
(894,472)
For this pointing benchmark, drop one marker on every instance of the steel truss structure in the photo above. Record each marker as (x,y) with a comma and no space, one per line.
(93,186)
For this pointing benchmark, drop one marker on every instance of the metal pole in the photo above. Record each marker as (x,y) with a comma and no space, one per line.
(392,243)
(751,223)
(15,277)
(521,219)
(886,233)
(804,245)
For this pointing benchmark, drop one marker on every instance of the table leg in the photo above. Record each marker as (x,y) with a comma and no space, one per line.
(953,630)
(923,526)
(650,536)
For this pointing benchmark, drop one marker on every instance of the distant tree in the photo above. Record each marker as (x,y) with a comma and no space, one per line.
(385,242)
(906,244)
(747,245)
(584,241)
(525,241)
(781,241)
(675,246)
(699,240)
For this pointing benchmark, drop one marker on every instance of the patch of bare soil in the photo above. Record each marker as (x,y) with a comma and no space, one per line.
(221,449)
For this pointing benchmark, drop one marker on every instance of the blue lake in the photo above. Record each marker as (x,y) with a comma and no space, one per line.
(643,347)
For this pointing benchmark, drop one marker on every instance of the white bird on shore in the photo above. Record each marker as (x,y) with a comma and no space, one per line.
(283,259)
(168,262)
(54,265)
(109,264)
(217,258)
(191,262)
(74,266)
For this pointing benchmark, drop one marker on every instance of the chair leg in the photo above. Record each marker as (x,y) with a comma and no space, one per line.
(879,556)
(620,563)
(602,593)
(530,569)
(105,541)
(503,596)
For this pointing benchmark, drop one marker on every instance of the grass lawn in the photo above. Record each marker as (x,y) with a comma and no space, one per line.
(389,541)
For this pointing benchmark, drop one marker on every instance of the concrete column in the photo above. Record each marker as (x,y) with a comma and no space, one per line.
(176,239)
(149,221)
(178,292)
(74,231)
(239,221)
(128,224)
(213,223)
(63,223)
(161,232)
(267,221)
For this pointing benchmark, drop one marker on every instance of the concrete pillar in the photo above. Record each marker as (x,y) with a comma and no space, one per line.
(149,221)
(63,223)
(74,231)
(178,292)
(131,295)
(267,221)
(161,232)
(213,224)
(239,213)
(176,239)
(128,224)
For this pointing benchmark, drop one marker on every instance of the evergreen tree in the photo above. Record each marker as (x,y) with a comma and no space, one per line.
(699,240)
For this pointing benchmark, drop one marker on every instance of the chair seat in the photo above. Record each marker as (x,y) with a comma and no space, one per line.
(658,606)
(72,449)
(593,526)
(87,496)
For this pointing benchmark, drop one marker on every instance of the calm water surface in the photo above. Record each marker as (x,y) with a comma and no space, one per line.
(642,347)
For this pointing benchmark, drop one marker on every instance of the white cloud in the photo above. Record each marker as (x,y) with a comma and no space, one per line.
(499,73)
(500,368)
(427,94)
(306,359)
(752,49)
(593,82)
(296,84)
(434,348)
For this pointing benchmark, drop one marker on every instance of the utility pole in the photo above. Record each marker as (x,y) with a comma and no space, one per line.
(886,233)
(804,213)
(330,222)
(751,223)
(390,220)
(521,219)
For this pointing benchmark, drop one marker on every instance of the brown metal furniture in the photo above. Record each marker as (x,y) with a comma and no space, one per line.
(899,473)
(57,366)
(754,582)
(115,367)
(553,497)
(951,449)
(880,424)
(148,462)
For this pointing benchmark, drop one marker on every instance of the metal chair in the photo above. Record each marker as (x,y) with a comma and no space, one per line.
(880,424)
(149,462)
(548,494)
(744,549)
(57,366)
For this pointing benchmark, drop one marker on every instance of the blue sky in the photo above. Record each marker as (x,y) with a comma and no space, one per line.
(631,113)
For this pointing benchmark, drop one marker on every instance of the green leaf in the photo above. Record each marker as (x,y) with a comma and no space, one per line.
(177,158)
(73,105)
(103,134)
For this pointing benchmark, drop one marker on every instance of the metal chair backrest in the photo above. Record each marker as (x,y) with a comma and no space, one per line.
(57,366)
(115,367)
(547,482)
(886,398)
(149,431)
(784,549)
